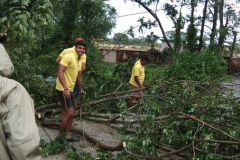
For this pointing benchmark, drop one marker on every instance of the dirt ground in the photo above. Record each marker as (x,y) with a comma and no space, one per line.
(100,132)
(97,131)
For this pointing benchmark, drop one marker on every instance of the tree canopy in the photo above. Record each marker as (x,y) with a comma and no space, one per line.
(201,27)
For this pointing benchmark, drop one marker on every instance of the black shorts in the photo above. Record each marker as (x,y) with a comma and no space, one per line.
(66,102)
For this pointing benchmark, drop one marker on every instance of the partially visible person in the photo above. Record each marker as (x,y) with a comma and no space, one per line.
(19,137)
(69,71)
(82,62)
(137,79)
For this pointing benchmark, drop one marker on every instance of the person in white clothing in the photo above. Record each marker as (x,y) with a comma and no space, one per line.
(19,137)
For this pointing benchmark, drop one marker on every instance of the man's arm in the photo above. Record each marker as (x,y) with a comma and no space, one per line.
(136,75)
(137,81)
(61,70)
(83,60)
(83,67)
(58,59)
(79,82)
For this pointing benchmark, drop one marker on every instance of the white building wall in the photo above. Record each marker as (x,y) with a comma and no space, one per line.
(164,45)
(110,57)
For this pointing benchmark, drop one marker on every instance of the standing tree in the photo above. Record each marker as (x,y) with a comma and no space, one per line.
(77,18)
(145,4)
(120,38)
(151,40)
(202,28)
(95,20)
(25,21)
(213,19)
(228,21)
(178,24)
(192,30)
(234,42)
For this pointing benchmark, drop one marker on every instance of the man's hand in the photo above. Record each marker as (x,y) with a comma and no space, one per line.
(82,93)
(66,94)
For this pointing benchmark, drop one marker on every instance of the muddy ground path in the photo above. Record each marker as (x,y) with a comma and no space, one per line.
(93,132)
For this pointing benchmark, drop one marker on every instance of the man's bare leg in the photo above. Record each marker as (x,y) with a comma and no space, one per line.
(129,102)
(66,121)
(68,127)
(73,121)
(64,112)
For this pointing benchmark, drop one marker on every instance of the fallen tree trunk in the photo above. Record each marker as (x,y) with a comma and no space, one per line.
(77,129)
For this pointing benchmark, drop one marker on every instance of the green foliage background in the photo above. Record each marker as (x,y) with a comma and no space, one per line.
(202,66)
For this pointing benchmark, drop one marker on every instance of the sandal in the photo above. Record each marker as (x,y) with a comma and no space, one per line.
(72,139)
(74,124)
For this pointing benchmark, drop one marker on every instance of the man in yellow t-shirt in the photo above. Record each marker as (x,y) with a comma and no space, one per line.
(69,71)
(82,63)
(136,80)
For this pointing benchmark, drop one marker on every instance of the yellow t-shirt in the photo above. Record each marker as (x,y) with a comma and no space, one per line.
(72,50)
(73,67)
(137,70)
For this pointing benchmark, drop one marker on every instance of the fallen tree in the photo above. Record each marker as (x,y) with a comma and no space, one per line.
(188,119)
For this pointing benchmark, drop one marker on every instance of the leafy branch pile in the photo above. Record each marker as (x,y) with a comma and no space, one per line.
(193,118)
(184,118)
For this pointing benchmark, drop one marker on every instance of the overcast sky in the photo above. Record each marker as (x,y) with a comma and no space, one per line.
(129,13)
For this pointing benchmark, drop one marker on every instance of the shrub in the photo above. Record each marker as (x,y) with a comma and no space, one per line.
(189,66)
